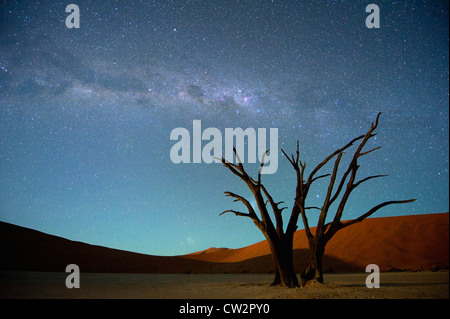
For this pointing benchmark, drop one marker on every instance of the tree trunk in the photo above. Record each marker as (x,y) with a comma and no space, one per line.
(284,264)
(314,269)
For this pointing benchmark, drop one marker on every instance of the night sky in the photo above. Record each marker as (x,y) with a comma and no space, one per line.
(86,113)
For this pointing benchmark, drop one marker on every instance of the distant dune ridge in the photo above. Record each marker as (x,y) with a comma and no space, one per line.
(413,242)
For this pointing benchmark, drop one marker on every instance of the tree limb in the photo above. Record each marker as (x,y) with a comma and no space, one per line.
(261,166)
(276,211)
(366,179)
(326,203)
(245,202)
(352,169)
(325,161)
(313,207)
(373,210)
(374,149)
(236,213)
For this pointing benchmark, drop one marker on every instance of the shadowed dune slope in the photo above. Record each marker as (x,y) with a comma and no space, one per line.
(416,242)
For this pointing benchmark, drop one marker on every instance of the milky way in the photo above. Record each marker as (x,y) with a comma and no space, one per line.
(86,114)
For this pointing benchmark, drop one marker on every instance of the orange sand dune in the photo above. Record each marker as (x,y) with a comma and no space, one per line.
(413,242)
(209,250)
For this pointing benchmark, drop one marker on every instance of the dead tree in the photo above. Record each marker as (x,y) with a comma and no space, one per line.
(280,242)
(325,231)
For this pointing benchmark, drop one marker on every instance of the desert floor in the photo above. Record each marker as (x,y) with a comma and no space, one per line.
(401,285)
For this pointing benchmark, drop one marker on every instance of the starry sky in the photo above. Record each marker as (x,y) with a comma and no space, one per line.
(86,114)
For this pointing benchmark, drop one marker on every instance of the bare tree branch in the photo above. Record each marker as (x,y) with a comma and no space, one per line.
(232,167)
(352,169)
(374,149)
(261,166)
(236,213)
(276,211)
(292,160)
(372,211)
(245,202)
(321,176)
(325,161)
(366,179)
(326,203)
(313,207)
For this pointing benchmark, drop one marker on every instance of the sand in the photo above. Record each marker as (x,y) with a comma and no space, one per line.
(33,265)
(42,285)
